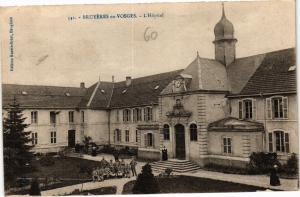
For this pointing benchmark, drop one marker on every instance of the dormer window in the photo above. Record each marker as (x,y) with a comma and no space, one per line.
(103,91)
(68,94)
(124,91)
(292,68)
(24,93)
(156,87)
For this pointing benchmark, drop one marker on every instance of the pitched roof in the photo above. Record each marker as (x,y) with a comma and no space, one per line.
(274,74)
(33,96)
(240,71)
(101,95)
(98,96)
(203,74)
(142,91)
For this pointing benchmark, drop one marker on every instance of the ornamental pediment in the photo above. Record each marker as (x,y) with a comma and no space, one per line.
(178,111)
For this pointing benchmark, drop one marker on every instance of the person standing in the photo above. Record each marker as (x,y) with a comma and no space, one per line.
(164,154)
(274,178)
(133,165)
(116,155)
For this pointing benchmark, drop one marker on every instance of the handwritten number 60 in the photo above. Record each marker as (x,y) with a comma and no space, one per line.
(150,35)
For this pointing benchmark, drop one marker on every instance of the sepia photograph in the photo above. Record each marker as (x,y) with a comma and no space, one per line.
(149,98)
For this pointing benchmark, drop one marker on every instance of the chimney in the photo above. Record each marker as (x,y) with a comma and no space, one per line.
(113,79)
(128,81)
(82,85)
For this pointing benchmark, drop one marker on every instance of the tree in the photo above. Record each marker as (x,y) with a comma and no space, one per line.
(86,141)
(17,154)
(146,182)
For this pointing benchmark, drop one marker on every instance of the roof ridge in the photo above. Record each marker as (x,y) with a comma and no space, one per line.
(153,75)
(291,48)
(53,86)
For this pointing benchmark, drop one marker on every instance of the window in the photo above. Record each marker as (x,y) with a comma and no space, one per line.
(52,117)
(137,114)
(71,116)
(247,109)
(118,135)
(34,138)
(166,131)
(82,116)
(148,114)
(227,145)
(117,114)
(277,107)
(53,137)
(281,141)
(135,111)
(126,135)
(136,135)
(34,117)
(149,140)
(193,132)
(126,115)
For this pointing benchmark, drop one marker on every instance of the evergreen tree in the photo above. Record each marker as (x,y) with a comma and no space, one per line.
(15,142)
(146,182)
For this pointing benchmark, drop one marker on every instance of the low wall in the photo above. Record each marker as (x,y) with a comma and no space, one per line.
(149,154)
(223,161)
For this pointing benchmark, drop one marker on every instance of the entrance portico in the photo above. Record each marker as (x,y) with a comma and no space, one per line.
(178,120)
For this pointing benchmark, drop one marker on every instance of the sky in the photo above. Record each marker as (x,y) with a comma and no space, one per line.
(49,49)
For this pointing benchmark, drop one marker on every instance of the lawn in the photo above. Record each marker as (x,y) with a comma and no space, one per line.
(59,172)
(99,191)
(64,167)
(186,184)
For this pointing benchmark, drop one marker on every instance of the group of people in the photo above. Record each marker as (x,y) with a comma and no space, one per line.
(114,169)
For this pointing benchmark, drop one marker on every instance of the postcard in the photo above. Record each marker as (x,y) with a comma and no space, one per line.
(149,98)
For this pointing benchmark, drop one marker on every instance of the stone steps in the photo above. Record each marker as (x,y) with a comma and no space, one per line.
(179,166)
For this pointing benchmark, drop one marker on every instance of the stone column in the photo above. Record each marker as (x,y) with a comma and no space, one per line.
(187,141)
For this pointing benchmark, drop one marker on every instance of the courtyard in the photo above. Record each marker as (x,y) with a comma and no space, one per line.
(72,175)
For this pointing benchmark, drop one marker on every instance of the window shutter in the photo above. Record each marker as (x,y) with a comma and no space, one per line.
(269,108)
(114,136)
(254,109)
(285,107)
(145,140)
(240,109)
(153,142)
(270,142)
(287,143)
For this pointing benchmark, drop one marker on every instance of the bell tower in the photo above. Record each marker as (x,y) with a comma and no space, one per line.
(224,40)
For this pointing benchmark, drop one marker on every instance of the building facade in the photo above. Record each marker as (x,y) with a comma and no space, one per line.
(213,111)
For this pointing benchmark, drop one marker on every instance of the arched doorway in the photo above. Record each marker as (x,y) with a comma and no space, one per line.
(180,141)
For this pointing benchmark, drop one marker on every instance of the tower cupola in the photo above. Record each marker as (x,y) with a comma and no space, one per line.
(224,40)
